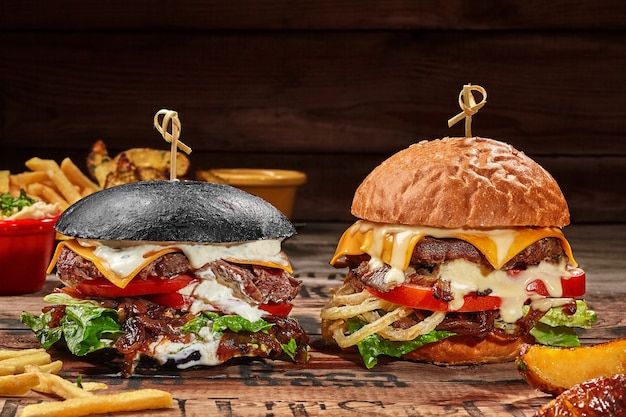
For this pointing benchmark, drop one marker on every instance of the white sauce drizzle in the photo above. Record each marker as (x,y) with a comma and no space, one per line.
(206,346)
(210,295)
(124,257)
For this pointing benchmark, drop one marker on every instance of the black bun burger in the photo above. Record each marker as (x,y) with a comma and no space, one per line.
(457,258)
(187,273)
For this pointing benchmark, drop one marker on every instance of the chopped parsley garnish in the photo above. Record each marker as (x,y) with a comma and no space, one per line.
(10,205)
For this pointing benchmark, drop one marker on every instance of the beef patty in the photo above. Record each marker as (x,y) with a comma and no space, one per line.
(430,253)
(257,284)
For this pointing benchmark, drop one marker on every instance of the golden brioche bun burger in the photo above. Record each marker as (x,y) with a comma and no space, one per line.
(457,257)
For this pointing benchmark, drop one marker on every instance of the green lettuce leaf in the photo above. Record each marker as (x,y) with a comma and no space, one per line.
(85,327)
(583,317)
(373,345)
(39,325)
(556,328)
(68,300)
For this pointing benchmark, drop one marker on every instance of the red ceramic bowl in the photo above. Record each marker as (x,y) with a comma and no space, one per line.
(25,251)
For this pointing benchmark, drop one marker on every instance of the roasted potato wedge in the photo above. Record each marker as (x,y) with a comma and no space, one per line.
(156,159)
(554,370)
(124,172)
(99,163)
(598,397)
(136,164)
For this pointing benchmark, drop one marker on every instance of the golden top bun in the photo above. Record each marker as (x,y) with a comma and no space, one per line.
(461,182)
(464,350)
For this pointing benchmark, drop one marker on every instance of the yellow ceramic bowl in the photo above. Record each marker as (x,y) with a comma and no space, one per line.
(278,186)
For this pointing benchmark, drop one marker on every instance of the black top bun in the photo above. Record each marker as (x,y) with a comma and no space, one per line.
(177,211)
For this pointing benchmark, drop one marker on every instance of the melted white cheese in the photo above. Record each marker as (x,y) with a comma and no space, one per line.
(123,257)
(466,277)
(393,243)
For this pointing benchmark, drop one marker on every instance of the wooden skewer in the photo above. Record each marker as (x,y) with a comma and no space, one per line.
(468,106)
(170,116)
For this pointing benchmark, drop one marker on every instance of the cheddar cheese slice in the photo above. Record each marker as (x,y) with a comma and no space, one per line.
(394,244)
(143,257)
(87,252)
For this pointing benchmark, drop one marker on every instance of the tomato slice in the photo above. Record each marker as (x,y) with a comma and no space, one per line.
(102,287)
(160,291)
(277,309)
(574,286)
(420,297)
(173,300)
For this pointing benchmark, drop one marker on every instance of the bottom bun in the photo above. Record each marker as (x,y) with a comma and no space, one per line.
(465,350)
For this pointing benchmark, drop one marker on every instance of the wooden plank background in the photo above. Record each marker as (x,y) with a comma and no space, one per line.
(327,87)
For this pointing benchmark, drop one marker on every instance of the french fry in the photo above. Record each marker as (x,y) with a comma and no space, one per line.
(17,384)
(16,364)
(138,400)
(61,182)
(34,371)
(4,181)
(76,176)
(38,164)
(14,353)
(51,196)
(67,189)
(86,191)
(94,386)
(8,370)
(30,177)
(54,384)
(49,368)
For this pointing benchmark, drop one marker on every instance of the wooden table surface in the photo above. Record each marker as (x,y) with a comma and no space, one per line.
(335,383)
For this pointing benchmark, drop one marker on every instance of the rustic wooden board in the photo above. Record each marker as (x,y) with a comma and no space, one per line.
(334,382)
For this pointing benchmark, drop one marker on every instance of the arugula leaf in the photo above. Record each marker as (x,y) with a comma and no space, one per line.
(221,323)
(197,323)
(238,323)
(374,345)
(290,348)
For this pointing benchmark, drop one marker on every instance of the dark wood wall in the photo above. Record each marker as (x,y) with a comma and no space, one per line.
(329,87)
